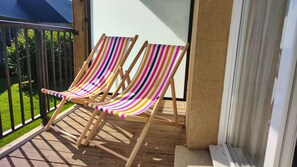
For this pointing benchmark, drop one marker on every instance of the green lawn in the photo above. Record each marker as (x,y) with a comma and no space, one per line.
(4,108)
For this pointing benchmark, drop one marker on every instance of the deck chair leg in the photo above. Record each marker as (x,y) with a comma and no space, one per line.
(83,134)
(95,127)
(122,76)
(51,121)
(145,129)
(139,142)
(174,102)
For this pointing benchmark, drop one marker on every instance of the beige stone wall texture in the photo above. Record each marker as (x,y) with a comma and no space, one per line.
(211,24)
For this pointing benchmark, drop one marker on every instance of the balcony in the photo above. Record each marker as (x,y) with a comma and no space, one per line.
(43,57)
(32,56)
(222,36)
(52,149)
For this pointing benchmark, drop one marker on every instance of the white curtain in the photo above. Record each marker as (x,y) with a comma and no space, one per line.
(256,69)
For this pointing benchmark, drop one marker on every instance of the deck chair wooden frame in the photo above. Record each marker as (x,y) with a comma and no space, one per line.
(147,118)
(81,73)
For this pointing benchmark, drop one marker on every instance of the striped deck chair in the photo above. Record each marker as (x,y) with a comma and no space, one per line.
(93,79)
(147,88)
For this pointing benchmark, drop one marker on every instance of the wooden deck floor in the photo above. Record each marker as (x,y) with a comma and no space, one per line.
(53,149)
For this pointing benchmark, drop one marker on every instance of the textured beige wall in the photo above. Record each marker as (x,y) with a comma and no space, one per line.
(211,24)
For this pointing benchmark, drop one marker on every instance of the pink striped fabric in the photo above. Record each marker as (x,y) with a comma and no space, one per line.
(146,85)
(101,71)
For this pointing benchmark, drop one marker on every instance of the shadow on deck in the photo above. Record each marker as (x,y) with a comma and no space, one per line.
(54,149)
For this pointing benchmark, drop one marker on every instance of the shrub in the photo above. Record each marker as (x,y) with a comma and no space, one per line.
(12,58)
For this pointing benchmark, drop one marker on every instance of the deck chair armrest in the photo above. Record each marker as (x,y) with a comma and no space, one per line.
(85,66)
(79,75)
(118,72)
(128,51)
(128,78)
(136,58)
(125,58)
(127,73)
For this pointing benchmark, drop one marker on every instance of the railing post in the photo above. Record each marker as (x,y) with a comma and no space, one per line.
(7,73)
(30,70)
(41,74)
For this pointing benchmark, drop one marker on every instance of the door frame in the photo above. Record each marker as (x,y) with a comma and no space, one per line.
(283,90)
(290,134)
(237,10)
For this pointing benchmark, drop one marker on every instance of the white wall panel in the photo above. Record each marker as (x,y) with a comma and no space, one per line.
(158,21)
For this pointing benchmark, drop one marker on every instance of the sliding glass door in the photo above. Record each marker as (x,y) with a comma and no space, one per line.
(158,21)
(256,70)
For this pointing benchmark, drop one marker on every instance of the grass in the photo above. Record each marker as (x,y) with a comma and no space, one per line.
(5,113)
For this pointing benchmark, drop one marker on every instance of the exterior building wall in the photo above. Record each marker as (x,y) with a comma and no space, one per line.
(211,24)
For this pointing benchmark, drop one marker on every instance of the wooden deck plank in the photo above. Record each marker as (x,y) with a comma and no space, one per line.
(54,149)
(17,162)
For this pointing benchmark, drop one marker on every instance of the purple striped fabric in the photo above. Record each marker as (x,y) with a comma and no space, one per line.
(146,85)
(103,68)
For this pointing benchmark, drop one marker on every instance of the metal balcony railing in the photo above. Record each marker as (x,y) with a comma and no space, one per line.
(32,56)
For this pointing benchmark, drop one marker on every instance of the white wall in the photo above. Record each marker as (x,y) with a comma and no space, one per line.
(158,21)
